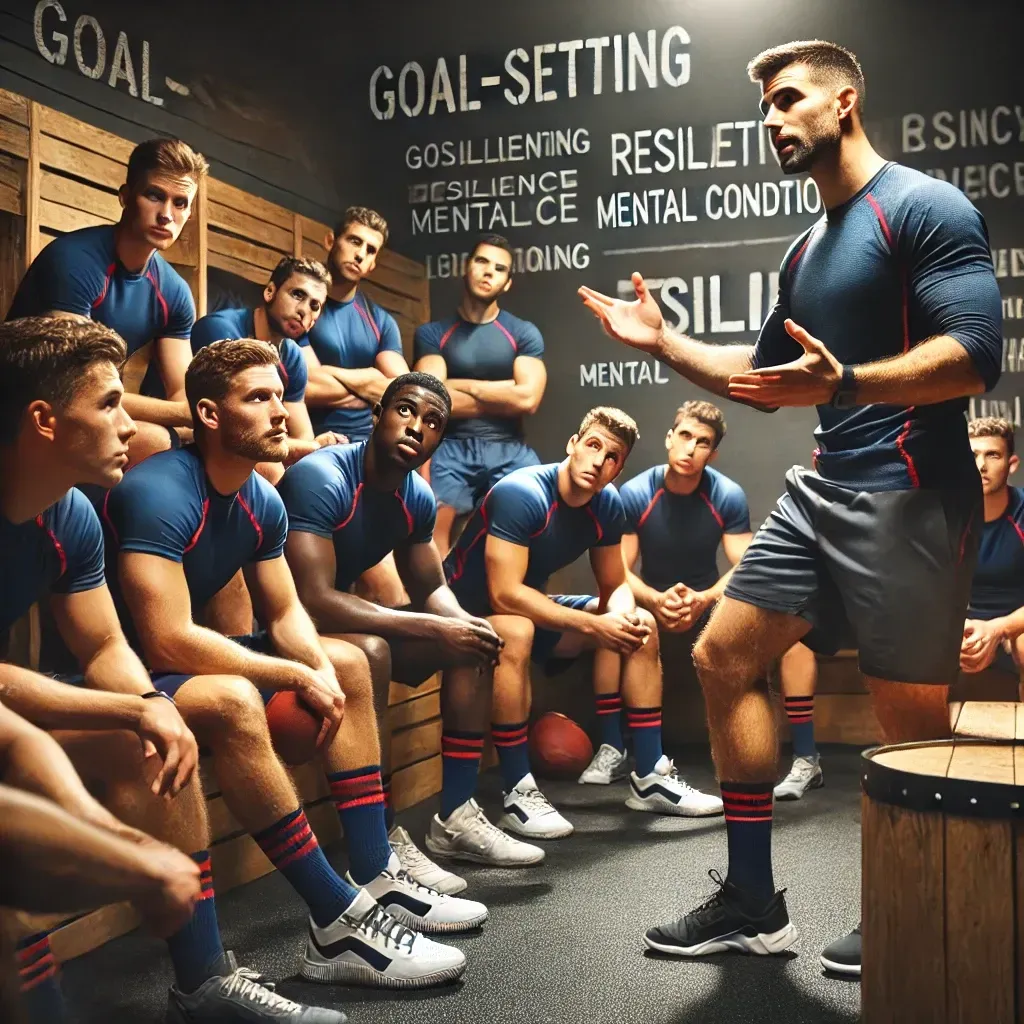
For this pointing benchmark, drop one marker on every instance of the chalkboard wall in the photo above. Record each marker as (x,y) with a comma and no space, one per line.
(601,137)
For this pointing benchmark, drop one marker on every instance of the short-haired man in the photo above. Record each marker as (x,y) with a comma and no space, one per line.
(677,515)
(532,523)
(292,301)
(995,615)
(115,274)
(888,317)
(61,422)
(178,527)
(493,365)
(347,509)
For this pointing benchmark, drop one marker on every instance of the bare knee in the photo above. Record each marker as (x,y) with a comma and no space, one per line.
(720,663)
(517,631)
(649,649)
(224,708)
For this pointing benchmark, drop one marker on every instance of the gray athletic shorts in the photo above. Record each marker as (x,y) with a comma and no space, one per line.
(894,567)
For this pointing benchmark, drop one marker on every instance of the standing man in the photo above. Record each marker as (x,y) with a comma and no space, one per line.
(116,274)
(353,351)
(292,300)
(995,616)
(677,514)
(532,523)
(492,362)
(888,316)
(347,509)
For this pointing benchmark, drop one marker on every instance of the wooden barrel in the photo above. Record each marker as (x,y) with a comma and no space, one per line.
(943,875)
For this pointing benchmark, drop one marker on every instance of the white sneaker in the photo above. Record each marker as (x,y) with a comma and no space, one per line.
(420,868)
(367,946)
(664,792)
(609,765)
(468,835)
(528,812)
(419,907)
(804,775)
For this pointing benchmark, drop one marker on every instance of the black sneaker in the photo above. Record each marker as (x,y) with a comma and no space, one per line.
(843,955)
(729,920)
(242,996)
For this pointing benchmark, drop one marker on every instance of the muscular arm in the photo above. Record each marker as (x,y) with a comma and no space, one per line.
(314,565)
(506,565)
(520,396)
(371,383)
(420,569)
(644,595)
(324,390)
(614,591)
(935,370)
(172,357)
(707,366)
(158,411)
(464,406)
(299,426)
(734,544)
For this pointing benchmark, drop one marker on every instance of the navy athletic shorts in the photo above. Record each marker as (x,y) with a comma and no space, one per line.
(464,469)
(546,640)
(895,565)
(259,642)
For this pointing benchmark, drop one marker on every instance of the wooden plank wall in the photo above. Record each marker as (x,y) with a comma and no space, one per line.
(58,174)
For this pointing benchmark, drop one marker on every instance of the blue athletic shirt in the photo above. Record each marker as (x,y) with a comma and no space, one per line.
(481,352)
(326,494)
(524,508)
(350,335)
(679,534)
(165,506)
(232,324)
(59,551)
(80,273)
(998,585)
(905,259)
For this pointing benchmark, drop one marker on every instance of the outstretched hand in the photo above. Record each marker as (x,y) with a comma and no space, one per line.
(810,380)
(637,323)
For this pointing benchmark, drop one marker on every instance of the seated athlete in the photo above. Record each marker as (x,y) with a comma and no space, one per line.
(61,422)
(995,614)
(677,514)
(354,350)
(532,523)
(492,363)
(292,301)
(347,508)
(115,274)
(178,527)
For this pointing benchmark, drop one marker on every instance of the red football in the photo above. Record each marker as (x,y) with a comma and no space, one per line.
(559,748)
(295,730)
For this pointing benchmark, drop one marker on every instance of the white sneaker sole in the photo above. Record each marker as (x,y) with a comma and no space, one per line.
(658,805)
(428,927)
(601,780)
(472,857)
(344,973)
(851,970)
(760,944)
(794,793)
(513,824)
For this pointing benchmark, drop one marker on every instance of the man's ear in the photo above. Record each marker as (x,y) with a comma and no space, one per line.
(1014,463)
(712,457)
(329,241)
(376,411)
(42,419)
(269,292)
(208,413)
(122,196)
(571,443)
(846,100)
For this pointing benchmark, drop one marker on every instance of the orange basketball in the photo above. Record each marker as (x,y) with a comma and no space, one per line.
(295,730)
(559,748)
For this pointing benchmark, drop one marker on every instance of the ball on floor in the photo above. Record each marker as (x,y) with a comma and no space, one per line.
(559,748)
(295,730)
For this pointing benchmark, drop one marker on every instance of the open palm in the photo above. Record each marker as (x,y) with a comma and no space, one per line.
(638,323)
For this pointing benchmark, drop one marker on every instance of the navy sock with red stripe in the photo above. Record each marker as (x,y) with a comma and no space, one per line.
(800,712)
(645,725)
(359,798)
(389,807)
(609,719)
(40,981)
(196,950)
(513,752)
(292,848)
(748,827)
(460,765)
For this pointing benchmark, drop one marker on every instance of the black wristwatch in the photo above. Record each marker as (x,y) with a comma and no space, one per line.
(149,694)
(845,394)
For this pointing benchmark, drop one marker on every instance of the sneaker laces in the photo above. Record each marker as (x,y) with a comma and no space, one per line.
(802,770)
(379,922)
(534,800)
(409,882)
(673,776)
(251,987)
(412,857)
(488,827)
(714,901)
(607,759)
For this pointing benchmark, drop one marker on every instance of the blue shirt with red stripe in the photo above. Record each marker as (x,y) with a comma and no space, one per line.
(481,352)
(679,534)
(326,494)
(59,551)
(165,506)
(524,508)
(80,273)
(998,585)
(350,335)
(905,259)
(231,324)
